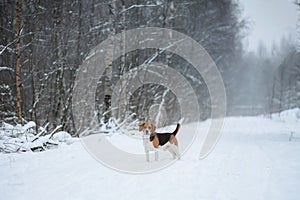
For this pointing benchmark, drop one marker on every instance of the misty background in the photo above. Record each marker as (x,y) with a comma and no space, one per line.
(258,60)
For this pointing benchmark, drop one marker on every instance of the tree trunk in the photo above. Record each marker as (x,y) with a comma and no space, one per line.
(59,89)
(108,62)
(18,67)
(298,26)
(123,95)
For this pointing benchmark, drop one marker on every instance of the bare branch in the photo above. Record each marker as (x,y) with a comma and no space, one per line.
(139,6)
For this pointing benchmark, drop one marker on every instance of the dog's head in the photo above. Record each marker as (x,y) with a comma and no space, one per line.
(147,128)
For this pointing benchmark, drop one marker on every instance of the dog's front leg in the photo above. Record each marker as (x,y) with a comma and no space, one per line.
(147,156)
(156,155)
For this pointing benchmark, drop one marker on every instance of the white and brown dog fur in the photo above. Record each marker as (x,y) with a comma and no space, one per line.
(153,141)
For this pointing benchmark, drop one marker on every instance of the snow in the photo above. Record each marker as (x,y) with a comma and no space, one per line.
(2,68)
(7,130)
(20,138)
(63,136)
(29,125)
(254,159)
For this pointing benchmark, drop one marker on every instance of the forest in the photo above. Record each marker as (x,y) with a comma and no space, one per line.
(43,44)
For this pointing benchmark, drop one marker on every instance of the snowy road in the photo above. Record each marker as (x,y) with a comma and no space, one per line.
(253,160)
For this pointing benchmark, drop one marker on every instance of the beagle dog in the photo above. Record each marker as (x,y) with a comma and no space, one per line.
(152,140)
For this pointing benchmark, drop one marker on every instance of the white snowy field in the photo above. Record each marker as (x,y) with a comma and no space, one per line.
(254,159)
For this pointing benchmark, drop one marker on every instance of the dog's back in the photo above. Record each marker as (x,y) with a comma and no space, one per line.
(164,137)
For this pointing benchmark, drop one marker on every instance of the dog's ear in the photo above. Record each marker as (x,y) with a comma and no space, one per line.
(141,126)
(153,127)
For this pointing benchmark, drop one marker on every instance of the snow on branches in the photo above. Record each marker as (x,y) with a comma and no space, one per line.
(25,138)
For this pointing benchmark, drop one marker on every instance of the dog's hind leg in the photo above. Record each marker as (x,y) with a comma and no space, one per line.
(169,147)
(175,151)
(172,152)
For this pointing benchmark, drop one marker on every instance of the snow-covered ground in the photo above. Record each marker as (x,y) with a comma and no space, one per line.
(254,159)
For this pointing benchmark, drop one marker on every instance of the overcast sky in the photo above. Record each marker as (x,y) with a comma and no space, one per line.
(270,20)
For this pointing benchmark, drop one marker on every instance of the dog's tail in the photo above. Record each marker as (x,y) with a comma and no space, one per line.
(178,127)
